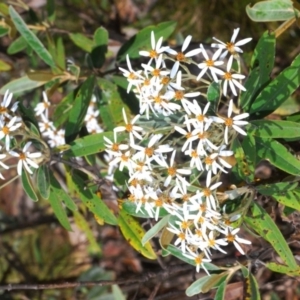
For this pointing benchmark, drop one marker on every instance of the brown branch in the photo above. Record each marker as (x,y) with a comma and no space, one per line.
(65,285)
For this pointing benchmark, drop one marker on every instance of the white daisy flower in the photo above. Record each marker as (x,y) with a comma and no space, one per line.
(210,64)
(232,47)
(232,122)
(181,56)
(232,79)
(26,159)
(156,50)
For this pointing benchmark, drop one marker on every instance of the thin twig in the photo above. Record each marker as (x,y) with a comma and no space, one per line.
(66,285)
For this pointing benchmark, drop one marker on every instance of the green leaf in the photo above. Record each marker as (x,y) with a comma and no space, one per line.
(244,168)
(285,193)
(99,50)
(21,85)
(17,45)
(277,91)
(51,10)
(43,181)
(213,95)
(277,155)
(81,222)
(42,76)
(79,109)
(273,129)
(111,104)
(58,209)
(62,110)
(283,269)
(92,201)
(155,229)
(276,188)
(249,160)
(60,58)
(142,40)
(28,186)
(82,41)
(3,31)
(133,233)
(205,284)
(130,208)
(117,292)
(60,193)
(254,294)
(90,144)
(31,38)
(220,294)
(262,223)
(262,63)
(270,11)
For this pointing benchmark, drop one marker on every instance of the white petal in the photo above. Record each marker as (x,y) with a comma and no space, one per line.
(186,43)
(235,33)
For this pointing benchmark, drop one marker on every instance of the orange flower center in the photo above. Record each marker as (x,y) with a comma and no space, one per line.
(178,95)
(165,80)
(5,130)
(115,147)
(209,63)
(172,171)
(230,47)
(156,72)
(180,56)
(128,127)
(230,237)
(153,54)
(227,76)
(229,122)
(149,151)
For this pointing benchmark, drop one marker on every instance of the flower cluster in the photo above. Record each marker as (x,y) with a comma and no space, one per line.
(177,147)
(10,127)
(56,137)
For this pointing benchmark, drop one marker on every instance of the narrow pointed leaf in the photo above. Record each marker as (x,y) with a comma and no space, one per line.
(133,233)
(277,155)
(43,181)
(79,109)
(259,220)
(58,209)
(61,194)
(92,201)
(277,91)
(274,129)
(28,186)
(31,38)
(155,229)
